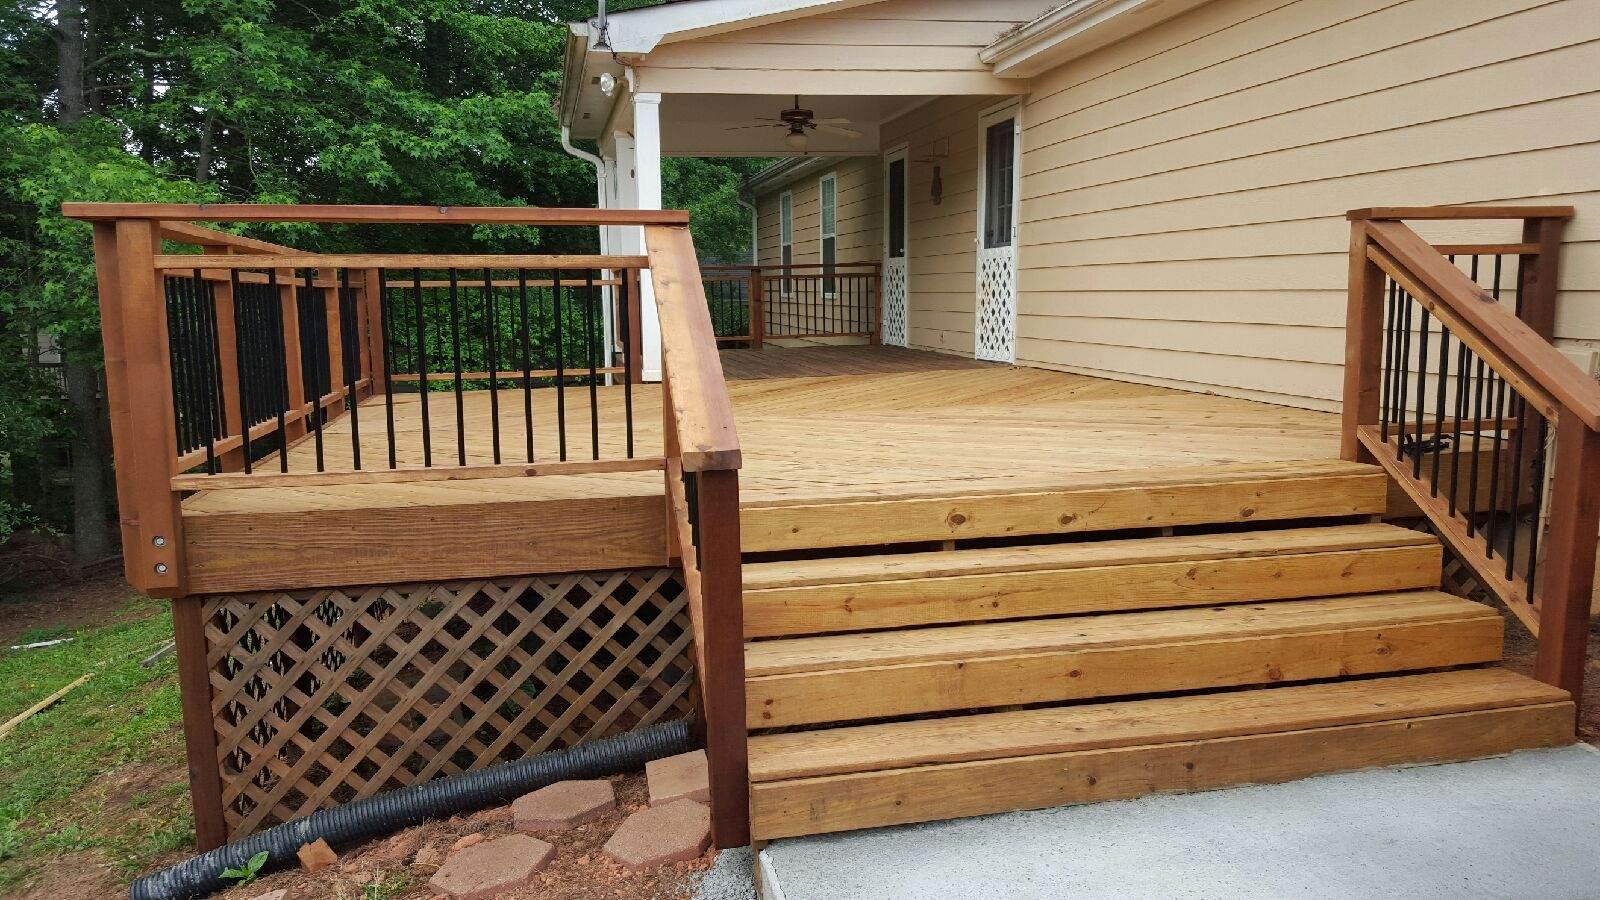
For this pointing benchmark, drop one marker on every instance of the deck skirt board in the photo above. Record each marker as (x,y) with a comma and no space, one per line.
(1080,658)
(1064,579)
(953,790)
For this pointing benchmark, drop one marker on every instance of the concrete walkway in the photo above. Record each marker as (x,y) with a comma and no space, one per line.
(1526,826)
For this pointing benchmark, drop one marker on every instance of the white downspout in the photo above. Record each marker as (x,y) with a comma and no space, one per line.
(755,241)
(606,328)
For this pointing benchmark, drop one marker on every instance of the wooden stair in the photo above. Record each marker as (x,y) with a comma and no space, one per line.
(908,687)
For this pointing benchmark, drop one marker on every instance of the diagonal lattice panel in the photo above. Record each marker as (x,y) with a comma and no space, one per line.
(325,696)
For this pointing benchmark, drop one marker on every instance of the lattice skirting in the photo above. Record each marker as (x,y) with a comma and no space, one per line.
(327,696)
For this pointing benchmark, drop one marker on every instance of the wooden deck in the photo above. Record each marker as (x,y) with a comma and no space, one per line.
(825,422)
(865,423)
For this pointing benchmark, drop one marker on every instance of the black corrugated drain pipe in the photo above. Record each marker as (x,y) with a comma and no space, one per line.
(441,798)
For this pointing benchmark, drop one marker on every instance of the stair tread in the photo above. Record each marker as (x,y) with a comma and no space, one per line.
(998,735)
(1029,636)
(990,487)
(1131,551)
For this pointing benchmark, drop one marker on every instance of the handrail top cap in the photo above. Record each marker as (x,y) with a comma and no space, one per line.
(1460,212)
(350,214)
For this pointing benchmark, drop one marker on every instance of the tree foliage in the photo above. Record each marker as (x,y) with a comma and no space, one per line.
(446,102)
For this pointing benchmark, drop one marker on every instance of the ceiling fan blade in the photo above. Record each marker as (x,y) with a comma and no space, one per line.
(834,129)
(836,120)
(748,127)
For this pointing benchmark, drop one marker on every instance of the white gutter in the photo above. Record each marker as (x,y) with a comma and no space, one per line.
(1073,29)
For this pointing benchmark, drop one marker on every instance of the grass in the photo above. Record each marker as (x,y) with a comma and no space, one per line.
(103,769)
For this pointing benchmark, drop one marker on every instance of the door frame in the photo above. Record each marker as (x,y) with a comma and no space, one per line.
(1010,108)
(902,153)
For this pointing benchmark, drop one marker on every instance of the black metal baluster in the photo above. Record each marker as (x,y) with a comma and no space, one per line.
(591,351)
(281,348)
(527,367)
(1438,420)
(351,338)
(241,357)
(319,346)
(1463,361)
(492,354)
(1390,348)
(455,359)
(623,316)
(1538,464)
(561,364)
(1494,465)
(219,415)
(1403,370)
(1422,387)
(387,313)
(1520,408)
(1477,447)
(422,368)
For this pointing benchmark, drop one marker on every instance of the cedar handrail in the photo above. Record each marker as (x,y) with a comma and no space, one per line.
(1536,357)
(393,215)
(1489,376)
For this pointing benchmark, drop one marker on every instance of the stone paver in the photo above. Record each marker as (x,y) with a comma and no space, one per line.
(682,777)
(563,805)
(671,832)
(316,856)
(487,870)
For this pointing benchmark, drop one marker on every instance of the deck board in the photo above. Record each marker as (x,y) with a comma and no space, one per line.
(880,420)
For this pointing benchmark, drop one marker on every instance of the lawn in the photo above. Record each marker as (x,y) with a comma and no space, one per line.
(92,789)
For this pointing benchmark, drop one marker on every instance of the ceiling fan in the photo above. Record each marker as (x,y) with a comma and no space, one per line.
(797,121)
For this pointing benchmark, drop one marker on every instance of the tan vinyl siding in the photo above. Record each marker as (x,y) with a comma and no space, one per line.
(1183,191)
(931,45)
(941,240)
(860,215)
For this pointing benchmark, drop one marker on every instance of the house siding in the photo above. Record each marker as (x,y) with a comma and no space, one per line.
(859,225)
(1183,191)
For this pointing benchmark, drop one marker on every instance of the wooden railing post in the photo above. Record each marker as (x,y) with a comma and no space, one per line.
(333,334)
(199,726)
(723,696)
(372,313)
(228,361)
(1362,346)
(758,315)
(1569,566)
(294,427)
(136,336)
(1537,276)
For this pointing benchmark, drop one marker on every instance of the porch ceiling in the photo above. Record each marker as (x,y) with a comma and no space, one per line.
(700,124)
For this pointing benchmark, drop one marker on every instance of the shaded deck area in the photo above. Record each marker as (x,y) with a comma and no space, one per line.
(825,422)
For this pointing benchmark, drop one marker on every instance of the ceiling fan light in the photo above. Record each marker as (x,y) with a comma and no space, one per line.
(796,140)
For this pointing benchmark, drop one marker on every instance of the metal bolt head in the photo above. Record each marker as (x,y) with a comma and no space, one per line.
(161,568)
(159,541)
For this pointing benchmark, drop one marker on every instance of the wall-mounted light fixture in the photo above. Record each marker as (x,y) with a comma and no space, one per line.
(608,83)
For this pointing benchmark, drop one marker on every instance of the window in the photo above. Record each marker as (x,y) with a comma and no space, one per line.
(897,208)
(999,158)
(786,235)
(828,195)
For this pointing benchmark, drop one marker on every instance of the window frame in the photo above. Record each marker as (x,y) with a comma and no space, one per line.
(824,234)
(786,239)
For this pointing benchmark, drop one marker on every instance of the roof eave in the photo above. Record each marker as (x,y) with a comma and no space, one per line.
(1073,29)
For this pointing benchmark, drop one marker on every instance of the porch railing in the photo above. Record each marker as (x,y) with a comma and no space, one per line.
(1453,385)
(249,364)
(803,301)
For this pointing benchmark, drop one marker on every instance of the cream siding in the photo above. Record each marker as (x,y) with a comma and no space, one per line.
(1183,190)
(930,47)
(860,215)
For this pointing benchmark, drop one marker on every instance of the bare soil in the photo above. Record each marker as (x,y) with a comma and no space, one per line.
(398,867)
(62,605)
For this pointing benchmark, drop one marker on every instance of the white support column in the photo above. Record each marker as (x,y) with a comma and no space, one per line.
(647,180)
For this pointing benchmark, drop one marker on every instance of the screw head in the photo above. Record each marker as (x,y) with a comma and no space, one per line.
(159,541)
(161,568)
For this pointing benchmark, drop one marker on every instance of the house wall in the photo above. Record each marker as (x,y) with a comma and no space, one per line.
(1183,191)
(931,46)
(859,225)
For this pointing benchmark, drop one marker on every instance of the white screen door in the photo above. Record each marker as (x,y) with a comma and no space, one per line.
(995,327)
(896,326)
